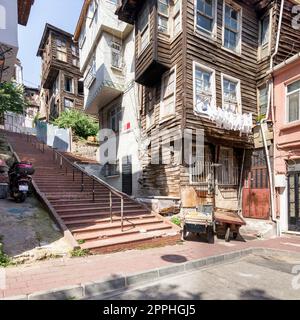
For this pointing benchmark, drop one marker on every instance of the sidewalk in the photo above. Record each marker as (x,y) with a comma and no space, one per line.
(57,273)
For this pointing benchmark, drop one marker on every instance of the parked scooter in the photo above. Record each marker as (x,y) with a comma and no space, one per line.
(20,180)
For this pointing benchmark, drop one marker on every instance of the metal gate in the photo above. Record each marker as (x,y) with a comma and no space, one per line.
(256,192)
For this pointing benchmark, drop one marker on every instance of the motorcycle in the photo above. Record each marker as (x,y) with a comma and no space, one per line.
(20,180)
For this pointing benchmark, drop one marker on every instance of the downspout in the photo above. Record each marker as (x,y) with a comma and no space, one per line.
(263,124)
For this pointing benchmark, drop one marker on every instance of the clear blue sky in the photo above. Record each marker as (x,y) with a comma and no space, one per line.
(63,14)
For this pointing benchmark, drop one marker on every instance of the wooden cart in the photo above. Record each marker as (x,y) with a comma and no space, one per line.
(227,223)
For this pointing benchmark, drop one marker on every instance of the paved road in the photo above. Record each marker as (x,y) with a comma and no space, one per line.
(254,277)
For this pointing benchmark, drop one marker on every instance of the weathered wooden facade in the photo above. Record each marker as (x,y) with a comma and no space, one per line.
(61,78)
(221,50)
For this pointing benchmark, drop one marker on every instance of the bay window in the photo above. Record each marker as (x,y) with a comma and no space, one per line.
(168,94)
(232,28)
(231,90)
(204,89)
(293,101)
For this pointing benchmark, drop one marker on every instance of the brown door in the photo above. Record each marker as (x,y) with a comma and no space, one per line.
(256,192)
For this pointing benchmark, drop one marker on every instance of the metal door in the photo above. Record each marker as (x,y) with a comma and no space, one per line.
(294,201)
(256,192)
(127,175)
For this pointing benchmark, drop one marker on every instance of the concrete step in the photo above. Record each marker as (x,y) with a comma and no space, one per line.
(92,222)
(131,241)
(128,222)
(100,214)
(90,204)
(95,209)
(128,230)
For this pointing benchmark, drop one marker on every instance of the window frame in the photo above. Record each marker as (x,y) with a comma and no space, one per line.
(116,51)
(213,85)
(166,75)
(164,16)
(259,89)
(239,92)
(287,107)
(70,100)
(72,83)
(142,31)
(61,50)
(210,34)
(238,8)
(174,14)
(260,48)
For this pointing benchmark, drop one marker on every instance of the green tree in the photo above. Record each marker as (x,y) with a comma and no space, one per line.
(81,124)
(12,98)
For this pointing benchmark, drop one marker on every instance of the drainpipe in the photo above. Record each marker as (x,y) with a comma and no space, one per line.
(263,125)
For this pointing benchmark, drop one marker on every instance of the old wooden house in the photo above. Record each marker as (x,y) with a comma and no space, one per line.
(61,79)
(203,65)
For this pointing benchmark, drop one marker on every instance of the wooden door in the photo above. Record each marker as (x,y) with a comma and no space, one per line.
(256,192)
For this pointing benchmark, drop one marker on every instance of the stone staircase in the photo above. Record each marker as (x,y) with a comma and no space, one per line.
(82,204)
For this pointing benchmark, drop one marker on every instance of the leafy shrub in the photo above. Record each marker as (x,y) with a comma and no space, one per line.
(5,260)
(176,220)
(81,124)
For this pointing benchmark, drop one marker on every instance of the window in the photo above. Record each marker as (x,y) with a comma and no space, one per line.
(149,107)
(293,101)
(115,119)
(144,32)
(263,100)
(69,84)
(163,15)
(177,17)
(91,74)
(206,15)
(82,36)
(61,46)
(264,36)
(111,170)
(232,28)
(69,103)
(168,91)
(204,89)
(92,11)
(116,55)
(231,90)
(80,87)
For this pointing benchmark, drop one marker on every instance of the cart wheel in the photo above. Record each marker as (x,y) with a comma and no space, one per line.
(210,235)
(227,234)
(235,235)
(184,233)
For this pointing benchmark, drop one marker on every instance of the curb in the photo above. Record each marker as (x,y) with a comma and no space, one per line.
(120,282)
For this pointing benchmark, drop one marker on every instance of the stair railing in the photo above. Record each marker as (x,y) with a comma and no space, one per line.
(64,163)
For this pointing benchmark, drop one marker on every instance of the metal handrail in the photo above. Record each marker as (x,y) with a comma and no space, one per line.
(62,159)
